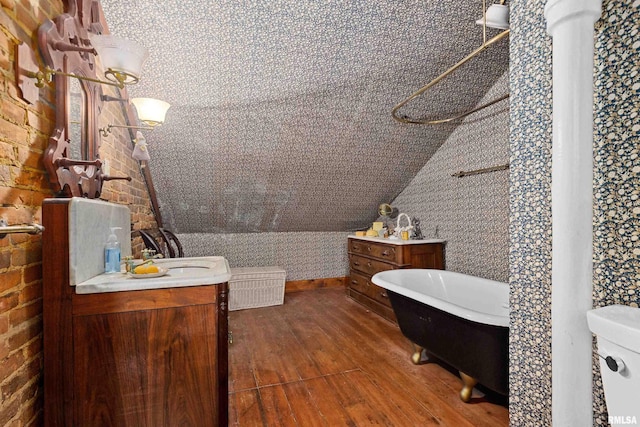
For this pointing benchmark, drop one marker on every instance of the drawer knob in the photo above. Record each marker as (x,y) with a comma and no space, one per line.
(385,253)
(368,264)
(369,248)
(354,282)
(384,295)
(356,263)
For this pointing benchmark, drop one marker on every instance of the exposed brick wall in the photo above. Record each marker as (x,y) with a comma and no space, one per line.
(24,132)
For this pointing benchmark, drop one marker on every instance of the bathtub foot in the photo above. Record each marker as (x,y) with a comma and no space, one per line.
(419,357)
(469,383)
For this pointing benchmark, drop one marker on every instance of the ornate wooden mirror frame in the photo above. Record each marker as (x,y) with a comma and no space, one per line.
(65,46)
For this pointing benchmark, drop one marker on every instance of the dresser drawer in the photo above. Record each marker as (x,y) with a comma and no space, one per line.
(363,285)
(375,250)
(368,257)
(367,265)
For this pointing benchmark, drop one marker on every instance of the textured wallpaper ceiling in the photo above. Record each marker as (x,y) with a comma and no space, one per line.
(280,117)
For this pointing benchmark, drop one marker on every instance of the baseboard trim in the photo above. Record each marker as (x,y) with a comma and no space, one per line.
(310,284)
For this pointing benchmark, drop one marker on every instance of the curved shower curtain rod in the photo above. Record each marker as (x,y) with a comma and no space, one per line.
(424,88)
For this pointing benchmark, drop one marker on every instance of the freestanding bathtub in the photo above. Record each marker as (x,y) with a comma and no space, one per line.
(462,320)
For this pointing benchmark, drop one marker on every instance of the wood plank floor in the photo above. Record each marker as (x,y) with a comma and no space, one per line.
(322,359)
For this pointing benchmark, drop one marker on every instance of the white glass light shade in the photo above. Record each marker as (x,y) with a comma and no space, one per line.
(151,111)
(121,59)
(497,17)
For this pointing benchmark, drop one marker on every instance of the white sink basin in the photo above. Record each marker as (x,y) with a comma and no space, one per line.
(181,272)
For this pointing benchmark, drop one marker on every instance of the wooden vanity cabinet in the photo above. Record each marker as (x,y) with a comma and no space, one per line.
(368,257)
(140,358)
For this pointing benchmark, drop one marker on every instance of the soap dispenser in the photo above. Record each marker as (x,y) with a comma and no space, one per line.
(112,252)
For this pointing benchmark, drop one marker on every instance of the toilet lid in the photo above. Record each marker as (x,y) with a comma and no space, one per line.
(619,324)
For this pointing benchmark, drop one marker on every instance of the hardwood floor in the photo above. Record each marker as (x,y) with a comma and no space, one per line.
(322,359)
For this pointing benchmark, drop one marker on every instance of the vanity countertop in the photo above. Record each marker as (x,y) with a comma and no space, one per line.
(397,241)
(182,272)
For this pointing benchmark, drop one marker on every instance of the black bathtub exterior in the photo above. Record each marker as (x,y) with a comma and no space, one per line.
(479,350)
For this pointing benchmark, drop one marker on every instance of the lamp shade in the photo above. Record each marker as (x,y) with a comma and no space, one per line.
(497,17)
(151,111)
(121,59)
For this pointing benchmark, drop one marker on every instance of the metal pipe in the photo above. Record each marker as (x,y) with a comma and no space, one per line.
(435,81)
(481,171)
(11,229)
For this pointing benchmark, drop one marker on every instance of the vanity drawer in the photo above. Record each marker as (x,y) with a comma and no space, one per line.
(368,265)
(363,285)
(375,250)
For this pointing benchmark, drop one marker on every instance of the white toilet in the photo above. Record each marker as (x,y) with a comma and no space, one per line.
(618,330)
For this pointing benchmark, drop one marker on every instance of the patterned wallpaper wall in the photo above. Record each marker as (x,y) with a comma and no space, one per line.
(617,165)
(471,213)
(308,255)
(616,192)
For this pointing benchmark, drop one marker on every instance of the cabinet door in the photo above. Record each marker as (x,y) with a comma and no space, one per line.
(147,368)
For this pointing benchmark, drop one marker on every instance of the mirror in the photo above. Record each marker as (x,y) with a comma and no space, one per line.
(77,138)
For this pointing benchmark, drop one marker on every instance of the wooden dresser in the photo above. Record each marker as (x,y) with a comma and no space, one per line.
(368,256)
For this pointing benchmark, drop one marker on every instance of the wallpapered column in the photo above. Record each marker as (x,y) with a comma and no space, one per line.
(617,165)
(616,192)
(530,218)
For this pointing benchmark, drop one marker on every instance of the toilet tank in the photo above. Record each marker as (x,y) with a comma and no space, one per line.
(617,328)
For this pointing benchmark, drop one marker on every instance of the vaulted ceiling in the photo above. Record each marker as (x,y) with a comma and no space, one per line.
(280,116)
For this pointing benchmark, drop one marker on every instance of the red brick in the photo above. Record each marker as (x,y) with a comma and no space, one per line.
(34,348)
(5,260)
(10,279)
(4,324)
(26,19)
(13,132)
(32,405)
(18,238)
(8,4)
(5,175)
(7,152)
(9,301)
(28,178)
(41,123)
(5,62)
(18,257)
(32,274)
(38,141)
(22,377)
(12,112)
(8,410)
(19,315)
(16,215)
(34,252)
(30,158)
(32,329)
(11,364)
